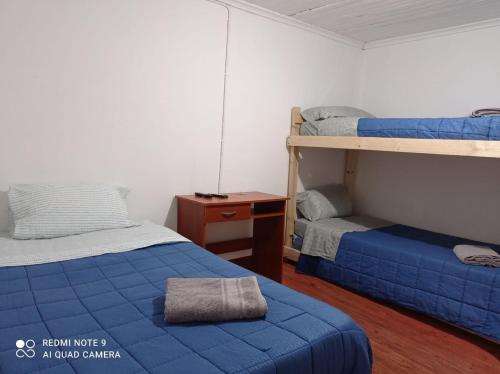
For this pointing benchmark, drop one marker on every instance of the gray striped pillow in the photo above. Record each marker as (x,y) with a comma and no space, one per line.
(45,211)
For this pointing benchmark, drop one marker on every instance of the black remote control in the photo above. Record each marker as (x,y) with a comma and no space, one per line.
(220,195)
(202,194)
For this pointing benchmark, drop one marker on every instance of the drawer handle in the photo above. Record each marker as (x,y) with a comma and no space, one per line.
(228,214)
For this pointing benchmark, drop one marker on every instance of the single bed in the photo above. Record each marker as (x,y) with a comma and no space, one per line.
(413,268)
(118,299)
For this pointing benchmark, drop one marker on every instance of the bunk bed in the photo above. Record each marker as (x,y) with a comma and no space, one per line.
(410,267)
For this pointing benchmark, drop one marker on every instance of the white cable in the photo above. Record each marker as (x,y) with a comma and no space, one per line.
(223,117)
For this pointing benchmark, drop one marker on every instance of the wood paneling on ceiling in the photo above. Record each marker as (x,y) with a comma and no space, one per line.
(370,20)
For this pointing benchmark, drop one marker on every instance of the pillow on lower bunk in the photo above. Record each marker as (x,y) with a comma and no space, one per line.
(320,113)
(324,202)
(44,211)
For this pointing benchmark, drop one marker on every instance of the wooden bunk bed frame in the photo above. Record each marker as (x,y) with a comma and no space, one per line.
(353,144)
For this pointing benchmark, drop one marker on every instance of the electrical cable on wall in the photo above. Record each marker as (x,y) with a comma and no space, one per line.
(223,117)
(240,6)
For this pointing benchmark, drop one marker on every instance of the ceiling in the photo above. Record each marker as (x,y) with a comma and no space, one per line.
(371,20)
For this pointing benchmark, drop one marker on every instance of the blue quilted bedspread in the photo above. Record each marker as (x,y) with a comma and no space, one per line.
(117,299)
(416,269)
(480,128)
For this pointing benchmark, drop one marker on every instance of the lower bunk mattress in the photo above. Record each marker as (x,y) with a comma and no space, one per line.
(418,270)
(104,314)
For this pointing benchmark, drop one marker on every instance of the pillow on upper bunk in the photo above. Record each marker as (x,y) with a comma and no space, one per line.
(324,202)
(320,113)
(44,211)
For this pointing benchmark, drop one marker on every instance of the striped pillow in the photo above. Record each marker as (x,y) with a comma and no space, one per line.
(44,211)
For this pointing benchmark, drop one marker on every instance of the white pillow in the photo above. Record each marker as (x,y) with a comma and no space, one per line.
(320,113)
(45,211)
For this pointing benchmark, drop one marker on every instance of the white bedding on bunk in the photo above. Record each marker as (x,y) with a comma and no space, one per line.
(342,126)
(322,238)
(15,252)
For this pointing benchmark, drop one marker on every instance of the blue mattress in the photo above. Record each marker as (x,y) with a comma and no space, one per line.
(479,128)
(118,300)
(416,269)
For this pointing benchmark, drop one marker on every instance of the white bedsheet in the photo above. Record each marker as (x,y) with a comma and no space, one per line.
(40,251)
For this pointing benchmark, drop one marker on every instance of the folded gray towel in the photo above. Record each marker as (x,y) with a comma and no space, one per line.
(213,299)
(477,255)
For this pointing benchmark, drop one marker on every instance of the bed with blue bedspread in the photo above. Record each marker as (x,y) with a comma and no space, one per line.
(418,270)
(464,128)
(118,299)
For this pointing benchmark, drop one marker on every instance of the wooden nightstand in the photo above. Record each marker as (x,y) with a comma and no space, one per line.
(267,212)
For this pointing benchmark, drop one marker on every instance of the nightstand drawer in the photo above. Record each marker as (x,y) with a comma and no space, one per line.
(228,213)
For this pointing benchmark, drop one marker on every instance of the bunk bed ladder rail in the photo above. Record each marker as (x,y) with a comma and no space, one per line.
(351,158)
(293,175)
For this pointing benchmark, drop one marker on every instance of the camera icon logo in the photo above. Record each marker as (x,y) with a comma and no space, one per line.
(25,348)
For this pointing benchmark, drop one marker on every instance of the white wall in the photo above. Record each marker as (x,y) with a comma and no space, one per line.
(272,68)
(117,92)
(130,92)
(442,76)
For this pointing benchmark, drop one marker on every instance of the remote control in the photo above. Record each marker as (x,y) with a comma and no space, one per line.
(220,195)
(202,194)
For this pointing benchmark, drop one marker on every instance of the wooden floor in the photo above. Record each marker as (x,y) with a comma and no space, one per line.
(404,341)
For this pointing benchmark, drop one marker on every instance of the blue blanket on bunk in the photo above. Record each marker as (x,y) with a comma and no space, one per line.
(479,128)
(416,269)
(118,299)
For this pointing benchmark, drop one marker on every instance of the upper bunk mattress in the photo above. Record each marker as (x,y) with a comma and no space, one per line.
(470,128)
(118,299)
(466,128)
(417,269)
